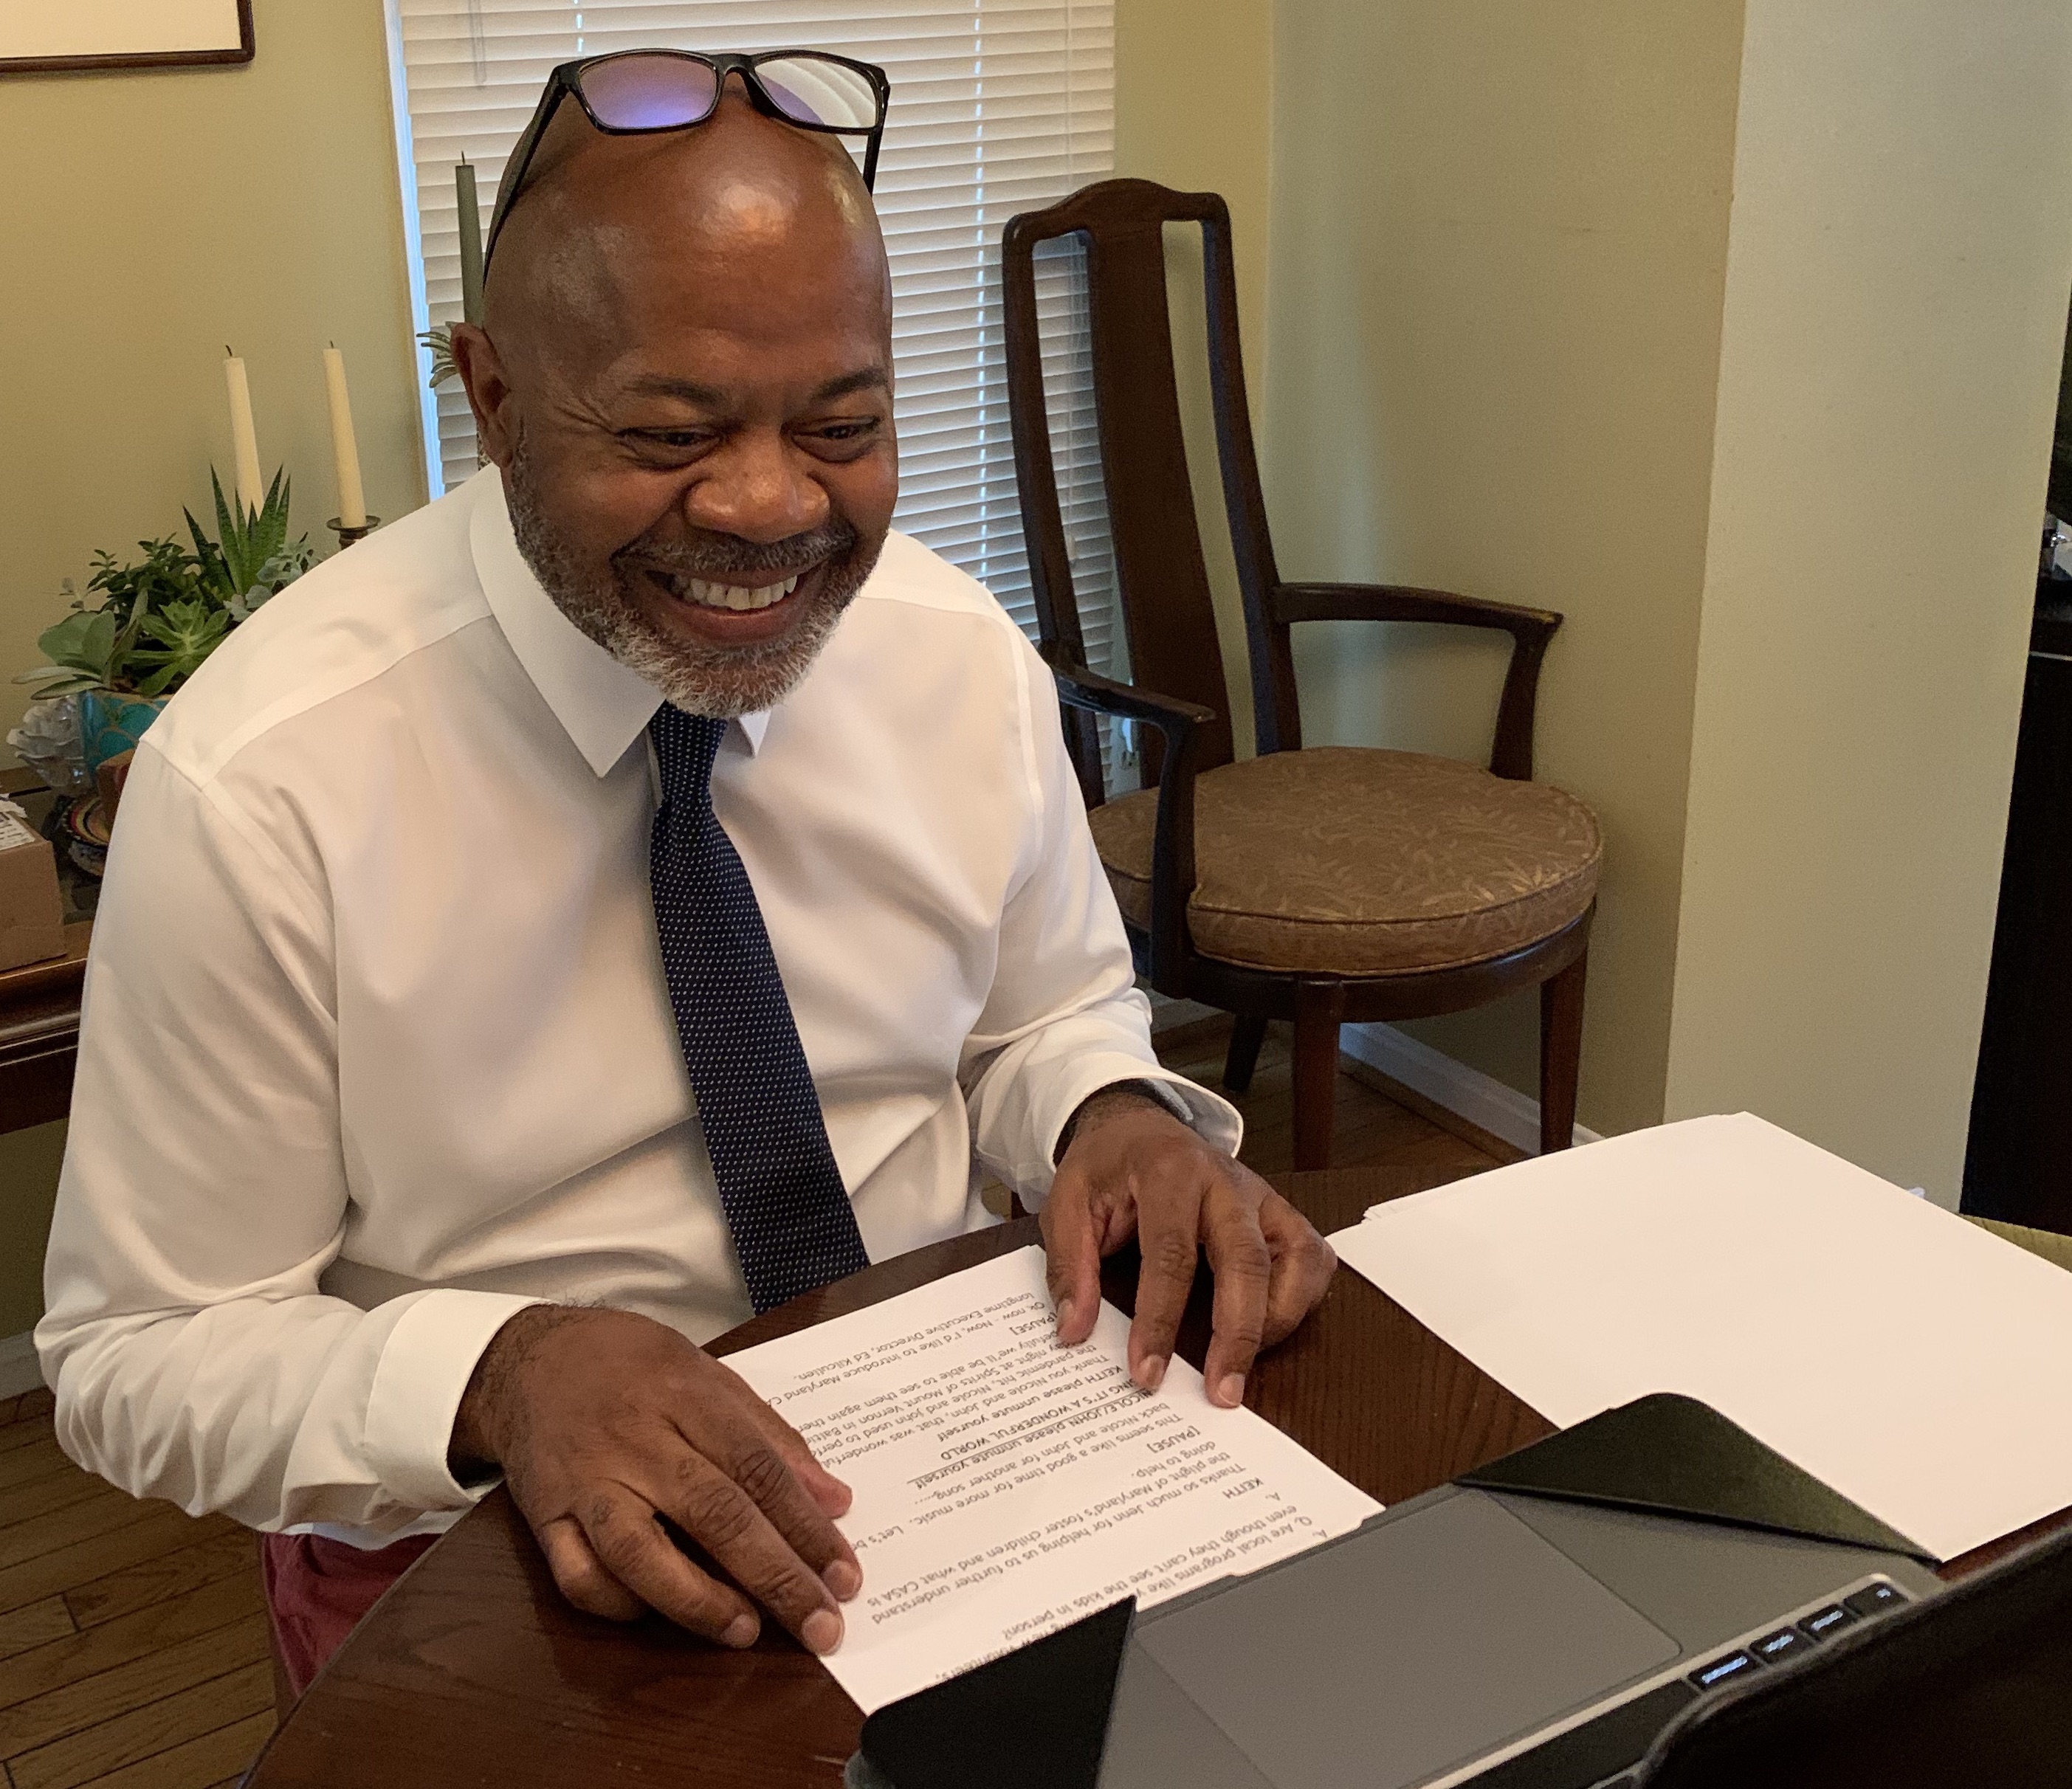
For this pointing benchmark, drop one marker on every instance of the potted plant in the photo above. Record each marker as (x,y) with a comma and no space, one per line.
(144,627)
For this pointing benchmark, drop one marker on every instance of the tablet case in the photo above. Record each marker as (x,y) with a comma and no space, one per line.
(1668,1455)
(1969,1689)
(1037,1717)
(1033,1718)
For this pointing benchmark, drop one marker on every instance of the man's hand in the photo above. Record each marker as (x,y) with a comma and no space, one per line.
(604,1423)
(1133,1169)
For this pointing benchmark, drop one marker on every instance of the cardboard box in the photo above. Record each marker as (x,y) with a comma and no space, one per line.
(31,910)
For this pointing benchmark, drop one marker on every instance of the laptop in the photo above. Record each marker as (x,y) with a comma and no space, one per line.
(1539,1624)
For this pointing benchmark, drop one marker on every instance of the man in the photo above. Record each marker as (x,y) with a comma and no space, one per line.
(616,897)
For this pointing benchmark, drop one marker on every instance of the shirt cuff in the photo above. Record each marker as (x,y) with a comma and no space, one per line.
(430,1356)
(1215,1120)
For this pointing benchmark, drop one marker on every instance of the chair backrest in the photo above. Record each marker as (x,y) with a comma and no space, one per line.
(1168,611)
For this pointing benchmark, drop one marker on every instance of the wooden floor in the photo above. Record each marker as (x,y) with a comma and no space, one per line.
(1377,1123)
(133,1637)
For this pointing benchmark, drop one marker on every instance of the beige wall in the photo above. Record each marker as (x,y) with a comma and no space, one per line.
(1194,110)
(1499,240)
(1735,338)
(1895,309)
(151,217)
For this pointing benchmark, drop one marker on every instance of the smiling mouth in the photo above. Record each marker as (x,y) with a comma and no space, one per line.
(704,593)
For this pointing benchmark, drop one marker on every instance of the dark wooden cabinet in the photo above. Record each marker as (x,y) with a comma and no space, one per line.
(2018,1166)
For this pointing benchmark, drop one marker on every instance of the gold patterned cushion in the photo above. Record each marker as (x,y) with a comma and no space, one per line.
(2054,1248)
(1345,861)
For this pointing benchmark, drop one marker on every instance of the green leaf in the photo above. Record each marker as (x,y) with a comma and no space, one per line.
(84,641)
(222,523)
(438,346)
(212,576)
(186,632)
(250,537)
(57,680)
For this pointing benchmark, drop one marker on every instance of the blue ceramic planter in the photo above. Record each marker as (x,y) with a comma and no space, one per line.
(110,725)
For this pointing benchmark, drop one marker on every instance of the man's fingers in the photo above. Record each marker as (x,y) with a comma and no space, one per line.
(582,1579)
(1303,1264)
(629,1543)
(1168,1233)
(726,1521)
(829,1492)
(757,1462)
(1242,1262)
(1071,1256)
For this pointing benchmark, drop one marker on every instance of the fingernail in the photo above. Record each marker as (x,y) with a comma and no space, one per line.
(843,1579)
(741,1631)
(1064,1314)
(1231,1392)
(1151,1372)
(823,1631)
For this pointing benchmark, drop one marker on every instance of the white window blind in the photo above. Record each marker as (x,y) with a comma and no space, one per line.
(998,106)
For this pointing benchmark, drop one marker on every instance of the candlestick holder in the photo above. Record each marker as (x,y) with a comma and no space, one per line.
(346,536)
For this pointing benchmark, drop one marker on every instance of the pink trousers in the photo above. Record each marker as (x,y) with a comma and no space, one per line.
(317,1590)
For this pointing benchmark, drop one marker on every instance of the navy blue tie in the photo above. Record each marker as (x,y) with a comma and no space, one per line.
(793,1227)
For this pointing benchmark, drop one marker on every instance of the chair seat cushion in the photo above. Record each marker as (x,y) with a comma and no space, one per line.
(1343,861)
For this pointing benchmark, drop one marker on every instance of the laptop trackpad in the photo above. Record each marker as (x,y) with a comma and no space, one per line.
(1419,1644)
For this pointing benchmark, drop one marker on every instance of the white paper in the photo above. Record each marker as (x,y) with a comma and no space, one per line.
(1005,1486)
(1918,1364)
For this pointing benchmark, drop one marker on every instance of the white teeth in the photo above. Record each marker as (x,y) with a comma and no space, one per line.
(735,596)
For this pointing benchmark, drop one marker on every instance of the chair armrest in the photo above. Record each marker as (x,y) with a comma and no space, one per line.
(1173,845)
(1530,630)
(1081,688)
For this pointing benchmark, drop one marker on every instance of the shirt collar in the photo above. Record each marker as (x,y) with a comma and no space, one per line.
(604,706)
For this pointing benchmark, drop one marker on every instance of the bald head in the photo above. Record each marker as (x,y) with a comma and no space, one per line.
(605,224)
(685,374)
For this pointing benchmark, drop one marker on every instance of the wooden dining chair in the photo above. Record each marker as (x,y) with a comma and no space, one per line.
(1322,885)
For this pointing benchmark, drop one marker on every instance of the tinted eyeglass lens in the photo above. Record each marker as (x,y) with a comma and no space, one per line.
(648,93)
(815,91)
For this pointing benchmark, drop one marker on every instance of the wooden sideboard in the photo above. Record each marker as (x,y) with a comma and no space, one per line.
(39,1001)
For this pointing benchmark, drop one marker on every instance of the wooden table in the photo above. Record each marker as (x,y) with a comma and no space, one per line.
(473,1670)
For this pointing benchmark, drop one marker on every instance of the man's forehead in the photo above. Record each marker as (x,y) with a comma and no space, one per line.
(706,395)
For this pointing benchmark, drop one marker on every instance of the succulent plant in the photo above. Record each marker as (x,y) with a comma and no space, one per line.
(160,615)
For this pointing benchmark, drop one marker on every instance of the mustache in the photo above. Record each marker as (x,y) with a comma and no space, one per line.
(721,556)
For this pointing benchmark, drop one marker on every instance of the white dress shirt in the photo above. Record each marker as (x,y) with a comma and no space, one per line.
(377,1047)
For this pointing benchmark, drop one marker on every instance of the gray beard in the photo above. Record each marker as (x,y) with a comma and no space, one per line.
(718,682)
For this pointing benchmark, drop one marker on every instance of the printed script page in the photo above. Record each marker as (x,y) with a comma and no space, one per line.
(1005,1486)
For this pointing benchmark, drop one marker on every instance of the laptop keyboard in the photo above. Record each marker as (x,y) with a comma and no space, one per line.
(1605,1751)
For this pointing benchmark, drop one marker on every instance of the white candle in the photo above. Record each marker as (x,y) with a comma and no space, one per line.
(471,244)
(244,438)
(351,497)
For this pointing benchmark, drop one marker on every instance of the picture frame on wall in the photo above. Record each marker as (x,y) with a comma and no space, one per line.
(51,37)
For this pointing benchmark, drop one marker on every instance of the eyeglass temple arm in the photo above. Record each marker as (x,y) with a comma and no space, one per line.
(521,158)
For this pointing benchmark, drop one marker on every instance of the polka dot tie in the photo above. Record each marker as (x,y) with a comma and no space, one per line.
(793,1228)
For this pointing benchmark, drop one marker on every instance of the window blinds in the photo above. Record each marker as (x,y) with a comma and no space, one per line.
(998,106)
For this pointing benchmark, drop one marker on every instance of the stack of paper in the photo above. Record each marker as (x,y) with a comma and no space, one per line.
(1920,1366)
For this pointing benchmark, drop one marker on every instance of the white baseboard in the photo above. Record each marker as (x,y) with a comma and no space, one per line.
(19,1372)
(1480,1099)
